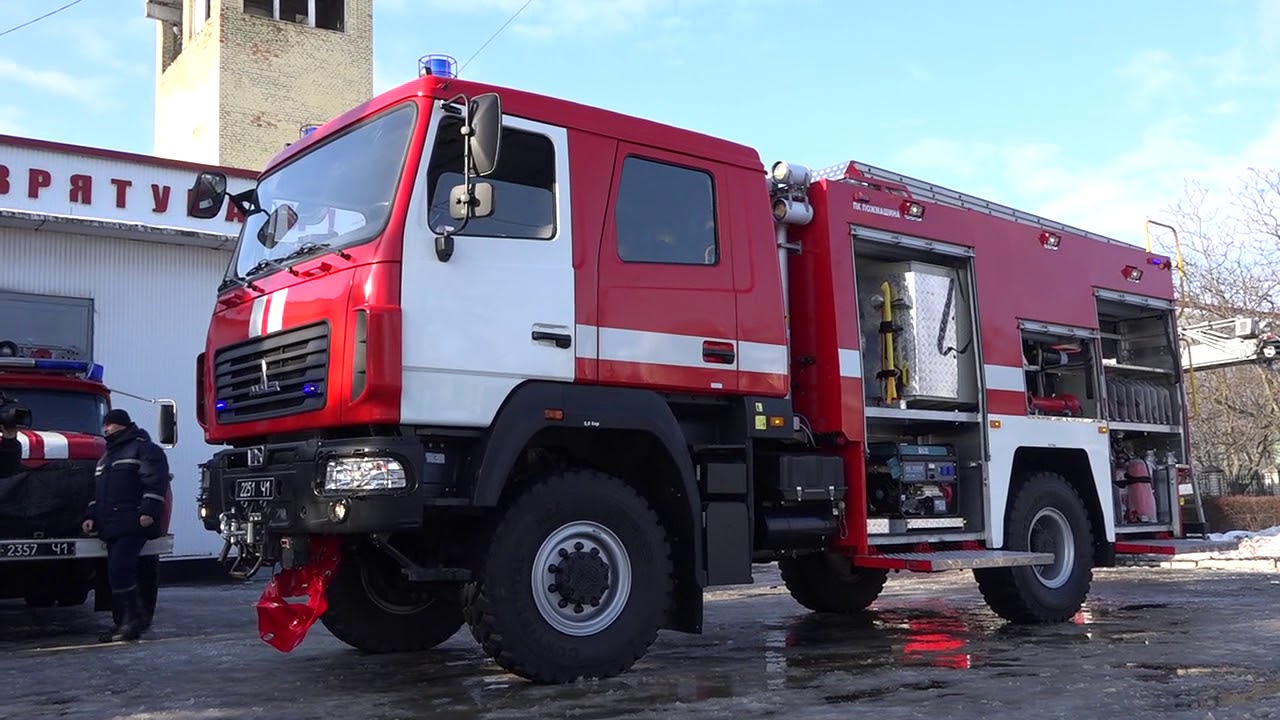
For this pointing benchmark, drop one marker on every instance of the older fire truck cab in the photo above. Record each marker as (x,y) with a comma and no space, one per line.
(53,400)
(487,357)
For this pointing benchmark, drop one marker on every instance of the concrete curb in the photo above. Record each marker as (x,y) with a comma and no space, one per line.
(1205,561)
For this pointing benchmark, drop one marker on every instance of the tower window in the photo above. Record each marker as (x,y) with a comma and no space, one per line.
(325,14)
(260,8)
(331,15)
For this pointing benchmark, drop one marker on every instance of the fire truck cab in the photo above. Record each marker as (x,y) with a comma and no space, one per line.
(488,357)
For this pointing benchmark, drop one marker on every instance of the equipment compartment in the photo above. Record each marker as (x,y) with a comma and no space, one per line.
(925,441)
(1140,366)
(931,346)
(1143,391)
(1061,371)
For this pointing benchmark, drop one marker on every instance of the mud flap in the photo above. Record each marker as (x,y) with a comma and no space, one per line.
(282,624)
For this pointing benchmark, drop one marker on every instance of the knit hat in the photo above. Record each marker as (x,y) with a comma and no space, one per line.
(117,417)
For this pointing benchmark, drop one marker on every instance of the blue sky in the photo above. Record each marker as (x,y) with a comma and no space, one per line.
(1092,112)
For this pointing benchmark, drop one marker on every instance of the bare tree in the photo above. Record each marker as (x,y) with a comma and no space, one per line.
(1230,249)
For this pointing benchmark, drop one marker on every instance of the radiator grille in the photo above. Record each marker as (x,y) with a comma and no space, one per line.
(296,363)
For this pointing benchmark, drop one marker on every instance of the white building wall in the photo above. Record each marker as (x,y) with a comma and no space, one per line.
(152,303)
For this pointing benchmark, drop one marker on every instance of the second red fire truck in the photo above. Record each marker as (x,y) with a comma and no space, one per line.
(487,357)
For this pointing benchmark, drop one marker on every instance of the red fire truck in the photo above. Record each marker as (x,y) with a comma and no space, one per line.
(493,358)
(53,399)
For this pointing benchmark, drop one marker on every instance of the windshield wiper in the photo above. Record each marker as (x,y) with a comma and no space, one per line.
(267,264)
(312,247)
(242,282)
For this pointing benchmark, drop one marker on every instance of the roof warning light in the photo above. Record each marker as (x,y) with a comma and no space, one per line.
(437,65)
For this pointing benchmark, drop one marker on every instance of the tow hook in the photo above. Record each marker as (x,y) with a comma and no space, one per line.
(282,624)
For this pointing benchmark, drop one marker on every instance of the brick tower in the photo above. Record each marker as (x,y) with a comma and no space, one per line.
(239,79)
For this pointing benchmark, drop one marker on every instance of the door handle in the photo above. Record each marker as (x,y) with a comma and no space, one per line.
(717,352)
(562,340)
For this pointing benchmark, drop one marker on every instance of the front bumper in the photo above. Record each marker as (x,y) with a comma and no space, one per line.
(70,548)
(298,504)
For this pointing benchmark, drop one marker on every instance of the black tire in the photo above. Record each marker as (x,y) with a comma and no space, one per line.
(73,596)
(829,583)
(504,612)
(1020,594)
(374,609)
(40,598)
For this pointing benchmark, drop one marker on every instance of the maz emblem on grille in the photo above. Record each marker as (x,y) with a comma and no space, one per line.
(266,385)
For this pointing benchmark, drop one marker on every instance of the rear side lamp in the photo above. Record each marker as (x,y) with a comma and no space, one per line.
(912,210)
(1050,241)
(1131,273)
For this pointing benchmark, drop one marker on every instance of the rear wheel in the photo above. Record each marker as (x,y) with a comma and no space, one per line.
(829,583)
(1047,516)
(373,608)
(576,580)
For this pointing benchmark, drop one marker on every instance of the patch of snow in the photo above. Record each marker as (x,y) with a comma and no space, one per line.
(1260,544)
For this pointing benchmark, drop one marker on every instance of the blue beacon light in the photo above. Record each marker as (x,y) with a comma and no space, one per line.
(438,65)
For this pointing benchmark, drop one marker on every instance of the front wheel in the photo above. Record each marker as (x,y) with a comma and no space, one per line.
(1047,516)
(576,581)
(374,609)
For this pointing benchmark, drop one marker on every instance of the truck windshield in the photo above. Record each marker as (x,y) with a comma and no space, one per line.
(61,410)
(341,191)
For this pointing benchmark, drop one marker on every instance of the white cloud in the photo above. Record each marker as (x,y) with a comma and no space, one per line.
(1229,107)
(101,47)
(1269,23)
(1114,198)
(550,19)
(9,120)
(1237,68)
(1151,72)
(92,91)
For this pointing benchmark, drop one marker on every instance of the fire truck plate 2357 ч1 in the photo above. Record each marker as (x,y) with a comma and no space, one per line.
(491,358)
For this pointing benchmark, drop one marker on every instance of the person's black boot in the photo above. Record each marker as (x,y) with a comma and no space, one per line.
(118,614)
(131,617)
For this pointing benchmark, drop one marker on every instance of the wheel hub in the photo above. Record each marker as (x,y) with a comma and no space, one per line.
(1050,532)
(581,577)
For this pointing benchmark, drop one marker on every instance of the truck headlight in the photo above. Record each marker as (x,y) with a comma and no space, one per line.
(345,474)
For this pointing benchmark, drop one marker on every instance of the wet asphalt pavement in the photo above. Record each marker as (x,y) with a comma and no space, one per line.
(1153,643)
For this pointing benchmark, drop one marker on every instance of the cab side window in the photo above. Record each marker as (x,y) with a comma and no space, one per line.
(523,185)
(665,214)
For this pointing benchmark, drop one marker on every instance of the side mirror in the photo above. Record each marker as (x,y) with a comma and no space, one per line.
(484,115)
(167,428)
(278,224)
(207,195)
(476,204)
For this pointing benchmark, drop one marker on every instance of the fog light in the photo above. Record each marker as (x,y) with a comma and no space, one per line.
(204,512)
(364,474)
(338,510)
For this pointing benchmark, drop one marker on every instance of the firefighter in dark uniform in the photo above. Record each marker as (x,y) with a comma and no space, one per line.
(130,485)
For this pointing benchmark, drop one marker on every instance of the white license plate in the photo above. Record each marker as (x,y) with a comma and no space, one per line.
(37,549)
(256,489)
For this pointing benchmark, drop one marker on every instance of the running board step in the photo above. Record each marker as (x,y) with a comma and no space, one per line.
(952,560)
(1173,547)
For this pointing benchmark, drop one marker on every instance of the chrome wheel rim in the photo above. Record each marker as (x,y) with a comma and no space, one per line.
(1051,533)
(581,578)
